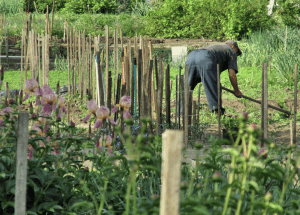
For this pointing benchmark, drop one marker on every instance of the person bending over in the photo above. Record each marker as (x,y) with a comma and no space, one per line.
(203,68)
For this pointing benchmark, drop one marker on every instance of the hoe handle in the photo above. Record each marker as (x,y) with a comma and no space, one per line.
(259,102)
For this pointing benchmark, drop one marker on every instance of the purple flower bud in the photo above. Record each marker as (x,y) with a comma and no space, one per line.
(30,108)
(263,153)
(183,185)
(97,143)
(90,129)
(154,196)
(58,133)
(33,116)
(243,116)
(16,97)
(199,186)
(268,196)
(252,128)
(72,124)
(57,88)
(2,73)
(217,176)
(86,169)
(58,119)
(21,97)
(45,129)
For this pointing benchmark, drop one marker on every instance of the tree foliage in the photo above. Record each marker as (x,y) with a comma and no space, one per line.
(80,6)
(207,18)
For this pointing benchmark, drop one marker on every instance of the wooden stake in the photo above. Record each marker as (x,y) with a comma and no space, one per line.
(167,98)
(139,83)
(115,60)
(43,59)
(74,60)
(84,69)
(171,172)
(219,100)
(47,59)
(132,95)
(295,106)
(39,57)
(264,108)
(79,65)
(68,59)
(194,113)
(22,161)
(107,57)
(162,65)
(176,102)
(53,18)
(186,113)
(121,37)
(149,88)
(22,54)
(68,111)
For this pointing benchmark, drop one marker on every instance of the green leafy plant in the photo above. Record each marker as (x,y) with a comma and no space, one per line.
(229,123)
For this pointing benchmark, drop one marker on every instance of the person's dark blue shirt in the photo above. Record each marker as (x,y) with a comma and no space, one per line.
(226,57)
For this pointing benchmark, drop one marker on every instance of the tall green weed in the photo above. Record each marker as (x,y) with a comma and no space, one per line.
(10,7)
(268,46)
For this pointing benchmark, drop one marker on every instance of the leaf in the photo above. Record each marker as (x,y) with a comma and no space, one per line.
(2,174)
(230,151)
(148,167)
(254,185)
(10,186)
(31,212)
(5,204)
(275,207)
(297,191)
(46,205)
(83,204)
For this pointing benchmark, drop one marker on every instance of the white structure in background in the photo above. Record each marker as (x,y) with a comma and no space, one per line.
(270,7)
(178,53)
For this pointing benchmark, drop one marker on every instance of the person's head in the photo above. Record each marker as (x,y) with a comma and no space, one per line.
(233,44)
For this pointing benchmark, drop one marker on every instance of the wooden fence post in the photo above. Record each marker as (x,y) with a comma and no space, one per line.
(295,106)
(107,57)
(171,172)
(186,103)
(264,103)
(219,100)
(167,98)
(21,176)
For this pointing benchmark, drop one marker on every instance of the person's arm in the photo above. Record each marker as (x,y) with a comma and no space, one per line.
(233,79)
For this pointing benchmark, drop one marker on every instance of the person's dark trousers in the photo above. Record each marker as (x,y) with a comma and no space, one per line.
(203,68)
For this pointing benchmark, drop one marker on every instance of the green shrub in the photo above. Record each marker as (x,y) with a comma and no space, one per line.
(218,19)
(42,5)
(288,12)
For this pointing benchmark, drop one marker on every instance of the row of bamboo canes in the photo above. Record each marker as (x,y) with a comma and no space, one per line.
(86,64)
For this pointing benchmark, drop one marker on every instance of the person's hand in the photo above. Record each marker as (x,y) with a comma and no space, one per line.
(238,94)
